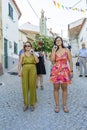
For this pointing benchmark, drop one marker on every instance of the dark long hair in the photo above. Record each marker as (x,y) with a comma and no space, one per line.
(61,41)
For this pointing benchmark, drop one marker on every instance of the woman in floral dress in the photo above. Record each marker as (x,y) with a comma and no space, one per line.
(61,72)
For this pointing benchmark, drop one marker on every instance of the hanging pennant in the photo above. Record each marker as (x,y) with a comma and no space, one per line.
(59,5)
(54,2)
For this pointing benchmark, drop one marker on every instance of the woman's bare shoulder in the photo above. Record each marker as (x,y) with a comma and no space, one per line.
(22,55)
(67,50)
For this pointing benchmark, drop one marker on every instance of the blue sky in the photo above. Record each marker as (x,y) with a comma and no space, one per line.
(59,18)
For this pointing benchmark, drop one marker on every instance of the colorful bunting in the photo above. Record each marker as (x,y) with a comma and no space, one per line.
(54,2)
(59,5)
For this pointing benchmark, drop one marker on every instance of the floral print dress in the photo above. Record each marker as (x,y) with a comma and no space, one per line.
(60,72)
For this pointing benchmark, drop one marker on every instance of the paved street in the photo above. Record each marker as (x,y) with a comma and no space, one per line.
(12,116)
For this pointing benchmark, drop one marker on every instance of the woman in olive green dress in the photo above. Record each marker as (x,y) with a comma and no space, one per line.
(28,73)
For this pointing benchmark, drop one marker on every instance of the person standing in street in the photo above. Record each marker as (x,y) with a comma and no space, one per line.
(20,52)
(82,58)
(40,69)
(69,47)
(28,61)
(61,72)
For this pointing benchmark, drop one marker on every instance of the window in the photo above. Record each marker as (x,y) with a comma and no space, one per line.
(15,48)
(10,11)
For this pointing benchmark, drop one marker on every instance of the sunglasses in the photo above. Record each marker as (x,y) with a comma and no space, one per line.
(58,40)
(27,46)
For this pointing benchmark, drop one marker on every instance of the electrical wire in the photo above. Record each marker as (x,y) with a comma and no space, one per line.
(21,3)
(76,3)
(32,9)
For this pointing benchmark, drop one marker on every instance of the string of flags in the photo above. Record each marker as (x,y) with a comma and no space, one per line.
(60,6)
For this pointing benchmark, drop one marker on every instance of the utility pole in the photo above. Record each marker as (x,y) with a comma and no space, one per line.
(77,3)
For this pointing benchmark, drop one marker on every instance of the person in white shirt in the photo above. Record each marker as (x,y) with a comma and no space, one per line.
(82,57)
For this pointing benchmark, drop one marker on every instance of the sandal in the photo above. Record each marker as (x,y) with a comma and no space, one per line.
(41,87)
(32,108)
(65,109)
(56,109)
(25,108)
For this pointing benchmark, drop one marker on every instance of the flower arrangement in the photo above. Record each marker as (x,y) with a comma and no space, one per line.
(43,43)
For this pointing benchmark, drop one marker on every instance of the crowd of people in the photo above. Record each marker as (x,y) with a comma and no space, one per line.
(31,68)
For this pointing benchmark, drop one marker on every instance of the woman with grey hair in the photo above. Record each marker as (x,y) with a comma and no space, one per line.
(82,58)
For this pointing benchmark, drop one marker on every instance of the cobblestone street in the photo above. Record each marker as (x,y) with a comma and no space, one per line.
(12,116)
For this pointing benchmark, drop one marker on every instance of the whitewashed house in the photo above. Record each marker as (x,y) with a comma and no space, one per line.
(10,34)
(83,34)
(22,39)
(77,34)
(27,32)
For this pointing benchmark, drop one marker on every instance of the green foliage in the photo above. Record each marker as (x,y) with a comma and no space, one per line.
(43,43)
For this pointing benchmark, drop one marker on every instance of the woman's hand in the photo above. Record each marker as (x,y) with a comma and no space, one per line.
(54,48)
(71,74)
(32,51)
(52,56)
(19,74)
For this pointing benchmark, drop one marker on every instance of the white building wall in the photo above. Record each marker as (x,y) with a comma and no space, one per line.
(10,27)
(76,23)
(74,45)
(10,32)
(83,35)
(22,39)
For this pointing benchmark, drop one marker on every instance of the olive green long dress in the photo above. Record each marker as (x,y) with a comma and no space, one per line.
(29,76)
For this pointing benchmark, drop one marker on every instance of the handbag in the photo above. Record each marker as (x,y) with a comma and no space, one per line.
(77,63)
